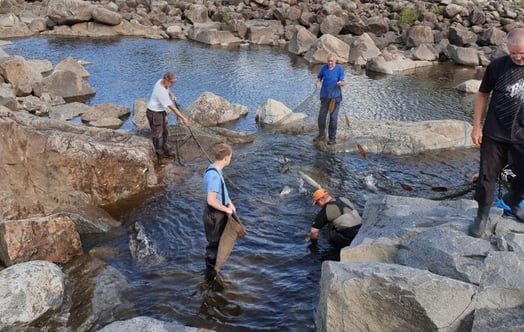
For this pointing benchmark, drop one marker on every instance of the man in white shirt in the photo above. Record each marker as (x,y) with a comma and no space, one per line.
(160,101)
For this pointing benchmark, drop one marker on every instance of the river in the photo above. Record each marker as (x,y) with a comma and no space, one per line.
(272,277)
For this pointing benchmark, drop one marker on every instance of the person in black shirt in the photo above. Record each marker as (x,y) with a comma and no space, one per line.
(502,136)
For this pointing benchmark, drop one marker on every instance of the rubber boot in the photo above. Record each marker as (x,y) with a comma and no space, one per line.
(478,227)
(167,151)
(319,139)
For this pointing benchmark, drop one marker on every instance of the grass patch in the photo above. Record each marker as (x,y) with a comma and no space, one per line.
(409,15)
(439,10)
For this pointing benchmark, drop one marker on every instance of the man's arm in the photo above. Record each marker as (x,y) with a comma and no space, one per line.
(179,114)
(213,201)
(478,115)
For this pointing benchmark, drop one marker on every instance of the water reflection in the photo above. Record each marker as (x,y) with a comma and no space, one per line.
(125,69)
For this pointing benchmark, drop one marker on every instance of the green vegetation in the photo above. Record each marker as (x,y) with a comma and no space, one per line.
(439,10)
(226,17)
(408,15)
(519,3)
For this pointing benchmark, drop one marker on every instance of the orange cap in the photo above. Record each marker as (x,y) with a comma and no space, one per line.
(318,194)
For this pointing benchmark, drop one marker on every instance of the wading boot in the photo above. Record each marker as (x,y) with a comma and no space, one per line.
(159,161)
(478,227)
(167,152)
(319,139)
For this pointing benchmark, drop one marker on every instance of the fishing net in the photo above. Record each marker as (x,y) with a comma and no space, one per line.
(311,106)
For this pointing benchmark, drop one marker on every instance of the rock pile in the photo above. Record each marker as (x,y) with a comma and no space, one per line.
(382,36)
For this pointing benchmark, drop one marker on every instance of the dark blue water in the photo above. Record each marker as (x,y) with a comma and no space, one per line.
(271,278)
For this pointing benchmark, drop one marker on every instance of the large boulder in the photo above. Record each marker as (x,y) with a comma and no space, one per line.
(70,64)
(8,97)
(210,33)
(197,14)
(381,64)
(402,298)
(469,86)
(211,110)
(399,137)
(139,113)
(47,164)
(418,35)
(405,240)
(68,111)
(325,45)
(97,294)
(143,323)
(66,84)
(274,113)
(69,12)
(15,71)
(106,113)
(12,27)
(97,30)
(29,290)
(52,238)
(301,41)
(106,16)
(362,49)
(332,25)
(463,55)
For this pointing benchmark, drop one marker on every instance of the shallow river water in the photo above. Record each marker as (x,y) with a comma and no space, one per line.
(271,279)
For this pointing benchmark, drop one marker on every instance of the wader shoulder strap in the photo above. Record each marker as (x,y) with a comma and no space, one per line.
(343,204)
(221,182)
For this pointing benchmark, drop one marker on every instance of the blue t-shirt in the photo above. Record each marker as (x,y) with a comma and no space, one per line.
(329,79)
(214,181)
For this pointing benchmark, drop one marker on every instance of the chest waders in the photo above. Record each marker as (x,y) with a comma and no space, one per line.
(342,213)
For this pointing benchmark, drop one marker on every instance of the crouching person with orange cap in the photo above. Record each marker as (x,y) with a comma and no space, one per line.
(339,215)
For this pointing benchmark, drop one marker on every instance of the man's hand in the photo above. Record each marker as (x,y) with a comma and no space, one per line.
(313,246)
(476,135)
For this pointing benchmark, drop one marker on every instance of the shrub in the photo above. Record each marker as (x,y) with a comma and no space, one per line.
(439,10)
(408,15)
(226,17)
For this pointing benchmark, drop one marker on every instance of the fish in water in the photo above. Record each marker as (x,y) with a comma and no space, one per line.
(286,190)
(284,168)
(371,183)
(285,165)
(288,165)
(309,179)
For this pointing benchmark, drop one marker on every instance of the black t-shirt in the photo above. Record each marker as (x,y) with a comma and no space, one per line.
(505,117)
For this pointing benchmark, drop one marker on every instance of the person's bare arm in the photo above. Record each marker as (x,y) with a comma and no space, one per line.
(213,201)
(479,110)
(179,114)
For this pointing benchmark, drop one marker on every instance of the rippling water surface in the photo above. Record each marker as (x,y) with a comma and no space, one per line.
(272,276)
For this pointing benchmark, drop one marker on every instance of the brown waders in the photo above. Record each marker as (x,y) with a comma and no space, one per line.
(158,124)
